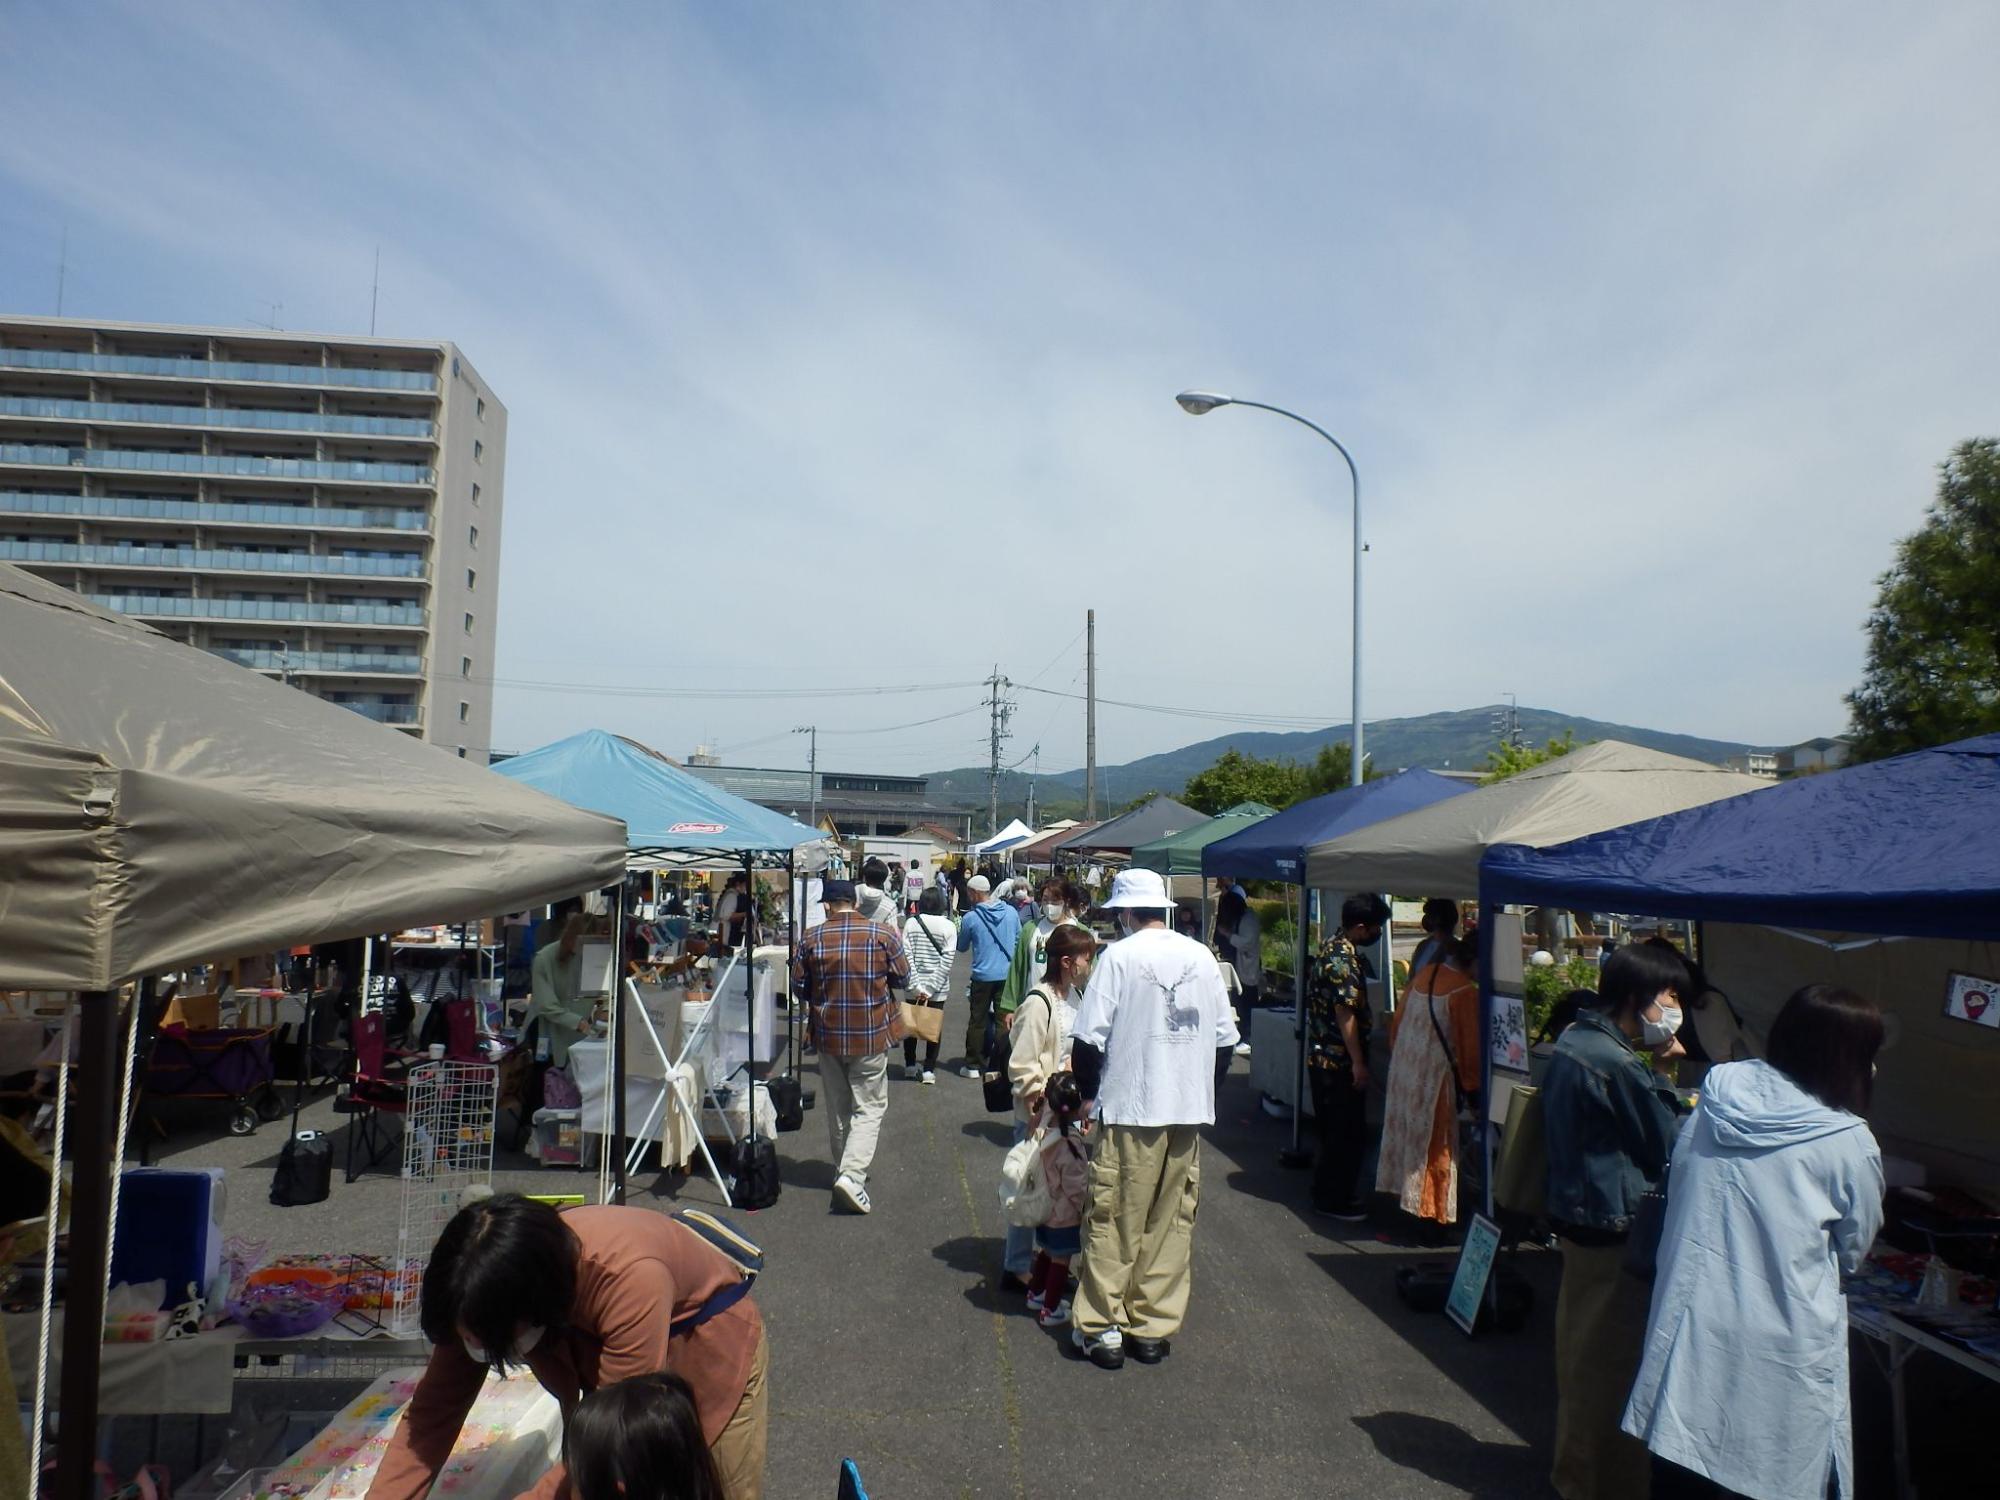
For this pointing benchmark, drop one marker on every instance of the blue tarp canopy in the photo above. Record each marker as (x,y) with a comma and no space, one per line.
(1275,849)
(1908,847)
(671,818)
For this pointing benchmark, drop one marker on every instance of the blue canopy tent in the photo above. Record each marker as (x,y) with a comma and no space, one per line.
(1905,848)
(672,820)
(1275,849)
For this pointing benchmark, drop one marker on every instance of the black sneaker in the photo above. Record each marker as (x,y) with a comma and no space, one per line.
(1353,1213)
(1147,1351)
(1012,1283)
(1105,1350)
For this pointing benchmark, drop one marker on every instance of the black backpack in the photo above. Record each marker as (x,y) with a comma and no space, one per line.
(755,1170)
(305,1171)
(788,1103)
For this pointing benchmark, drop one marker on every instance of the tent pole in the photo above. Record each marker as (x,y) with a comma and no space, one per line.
(1487,913)
(97,1074)
(750,1017)
(1296,1155)
(618,1050)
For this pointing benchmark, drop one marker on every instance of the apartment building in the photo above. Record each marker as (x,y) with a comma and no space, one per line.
(326,510)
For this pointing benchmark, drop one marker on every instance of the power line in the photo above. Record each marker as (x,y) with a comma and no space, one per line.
(1275,721)
(629,690)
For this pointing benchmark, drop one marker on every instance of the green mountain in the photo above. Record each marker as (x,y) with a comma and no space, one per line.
(1456,740)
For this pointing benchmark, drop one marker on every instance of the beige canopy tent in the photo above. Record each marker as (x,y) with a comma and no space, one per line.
(1435,850)
(159,805)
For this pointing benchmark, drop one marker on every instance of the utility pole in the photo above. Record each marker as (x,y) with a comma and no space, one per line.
(1507,722)
(1033,776)
(811,731)
(1001,709)
(374,291)
(1090,715)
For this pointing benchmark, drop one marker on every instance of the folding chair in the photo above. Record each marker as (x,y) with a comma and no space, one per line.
(378,1085)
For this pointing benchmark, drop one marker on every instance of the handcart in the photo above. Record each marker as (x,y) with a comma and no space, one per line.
(232,1064)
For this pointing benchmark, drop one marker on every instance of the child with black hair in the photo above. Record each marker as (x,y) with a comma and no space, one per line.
(1066,1166)
(640,1439)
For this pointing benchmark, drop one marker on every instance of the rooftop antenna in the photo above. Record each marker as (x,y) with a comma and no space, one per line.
(272,321)
(375,291)
(62,269)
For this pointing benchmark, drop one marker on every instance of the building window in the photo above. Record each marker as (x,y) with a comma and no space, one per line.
(465,666)
(475,493)
(472,536)
(464,711)
(482,408)
(471,579)
(468,623)
(478,451)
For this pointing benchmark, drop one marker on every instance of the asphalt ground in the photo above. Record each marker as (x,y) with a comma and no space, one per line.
(1298,1372)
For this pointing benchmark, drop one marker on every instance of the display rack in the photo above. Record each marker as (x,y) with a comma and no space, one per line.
(447,1148)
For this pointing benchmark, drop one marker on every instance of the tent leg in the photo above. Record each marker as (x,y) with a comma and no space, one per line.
(1296,1155)
(618,1051)
(1487,914)
(97,1074)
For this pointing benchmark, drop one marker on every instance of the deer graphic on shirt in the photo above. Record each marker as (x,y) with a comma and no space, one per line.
(1180,1018)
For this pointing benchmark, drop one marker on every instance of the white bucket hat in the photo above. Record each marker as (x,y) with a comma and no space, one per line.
(1139,888)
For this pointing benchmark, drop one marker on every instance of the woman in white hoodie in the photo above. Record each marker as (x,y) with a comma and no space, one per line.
(1776,1188)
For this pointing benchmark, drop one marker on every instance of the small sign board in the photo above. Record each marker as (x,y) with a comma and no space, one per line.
(1475,1268)
(1967,997)
(1510,1033)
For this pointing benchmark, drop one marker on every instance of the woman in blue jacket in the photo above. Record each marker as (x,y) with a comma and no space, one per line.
(1776,1189)
(1610,1122)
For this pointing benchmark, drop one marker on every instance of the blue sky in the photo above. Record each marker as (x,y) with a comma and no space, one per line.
(839,341)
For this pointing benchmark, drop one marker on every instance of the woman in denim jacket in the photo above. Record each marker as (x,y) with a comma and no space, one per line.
(1610,1123)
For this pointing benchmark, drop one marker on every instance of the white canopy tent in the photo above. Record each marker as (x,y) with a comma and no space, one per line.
(1435,850)
(159,805)
(1013,835)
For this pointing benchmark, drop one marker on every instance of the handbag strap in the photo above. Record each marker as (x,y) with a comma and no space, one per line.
(926,929)
(1450,1062)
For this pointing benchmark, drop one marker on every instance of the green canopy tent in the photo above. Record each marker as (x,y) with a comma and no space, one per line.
(1180,853)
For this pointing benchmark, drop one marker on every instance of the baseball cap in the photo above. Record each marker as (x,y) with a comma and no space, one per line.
(1141,888)
(836,890)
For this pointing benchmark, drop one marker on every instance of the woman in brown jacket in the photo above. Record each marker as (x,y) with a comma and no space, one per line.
(582,1298)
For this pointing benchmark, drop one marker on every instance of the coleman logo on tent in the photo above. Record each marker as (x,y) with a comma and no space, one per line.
(699,828)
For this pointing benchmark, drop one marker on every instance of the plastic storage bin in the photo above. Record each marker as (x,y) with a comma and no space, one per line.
(561,1140)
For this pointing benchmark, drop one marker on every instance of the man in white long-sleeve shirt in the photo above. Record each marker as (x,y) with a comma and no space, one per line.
(1144,1045)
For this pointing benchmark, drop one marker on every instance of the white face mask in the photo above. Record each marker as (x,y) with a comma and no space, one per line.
(1055,911)
(1659,1033)
(523,1347)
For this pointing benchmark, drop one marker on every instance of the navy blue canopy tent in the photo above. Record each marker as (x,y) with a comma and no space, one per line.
(673,820)
(1908,847)
(1274,849)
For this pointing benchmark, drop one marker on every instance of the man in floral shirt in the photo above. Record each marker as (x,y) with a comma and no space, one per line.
(1338,1022)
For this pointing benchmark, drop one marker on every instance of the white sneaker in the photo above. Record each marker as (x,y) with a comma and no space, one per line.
(850,1195)
(1242,1049)
(1054,1317)
(929,1077)
(1035,1303)
(970,1073)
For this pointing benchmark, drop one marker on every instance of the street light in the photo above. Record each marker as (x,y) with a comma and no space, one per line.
(1200,403)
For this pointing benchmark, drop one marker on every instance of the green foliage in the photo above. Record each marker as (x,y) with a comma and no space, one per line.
(1544,987)
(1510,760)
(1933,672)
(1236,777)
(1281,946)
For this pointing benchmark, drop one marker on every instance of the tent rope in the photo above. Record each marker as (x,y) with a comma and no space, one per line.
(125,1113)
(49,1248)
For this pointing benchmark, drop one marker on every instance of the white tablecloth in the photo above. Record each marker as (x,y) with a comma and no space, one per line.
(590,1062)
(136,1380)
(1274,1057)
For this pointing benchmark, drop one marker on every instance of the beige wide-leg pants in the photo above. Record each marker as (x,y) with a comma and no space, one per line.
(857,1096)
(1600,1333)
(1145,1181)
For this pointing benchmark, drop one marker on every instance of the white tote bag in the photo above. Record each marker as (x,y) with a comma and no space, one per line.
(1024,1186)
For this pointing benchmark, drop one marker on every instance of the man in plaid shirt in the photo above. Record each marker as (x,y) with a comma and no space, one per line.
(848,971)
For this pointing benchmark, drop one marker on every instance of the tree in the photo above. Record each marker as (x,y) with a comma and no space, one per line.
(1933,672)
(1511,759)
(1330,770)
(1236,777)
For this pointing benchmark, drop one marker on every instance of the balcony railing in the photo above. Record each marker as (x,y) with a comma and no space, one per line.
(172,607)
(49,408)
(321,661)
(248,513)
(244,466)
(203,559)
(384,713)
(211,369)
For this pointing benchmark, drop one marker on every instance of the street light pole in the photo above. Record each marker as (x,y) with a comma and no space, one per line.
(1199,403)
(812,767)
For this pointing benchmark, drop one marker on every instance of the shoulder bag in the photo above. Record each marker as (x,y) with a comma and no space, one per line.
(1024,1186)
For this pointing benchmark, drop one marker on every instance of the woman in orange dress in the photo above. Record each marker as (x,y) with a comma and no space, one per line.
(1434,1032)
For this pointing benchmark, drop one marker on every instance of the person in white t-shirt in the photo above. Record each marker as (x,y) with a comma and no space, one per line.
(1144,1044)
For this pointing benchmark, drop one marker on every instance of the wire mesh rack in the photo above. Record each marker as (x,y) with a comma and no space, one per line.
(447,1148)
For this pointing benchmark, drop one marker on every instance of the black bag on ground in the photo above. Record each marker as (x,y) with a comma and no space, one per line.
(787,1103)
(755,1170)
(993,1080)
(1426,1286)
(305,1171)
